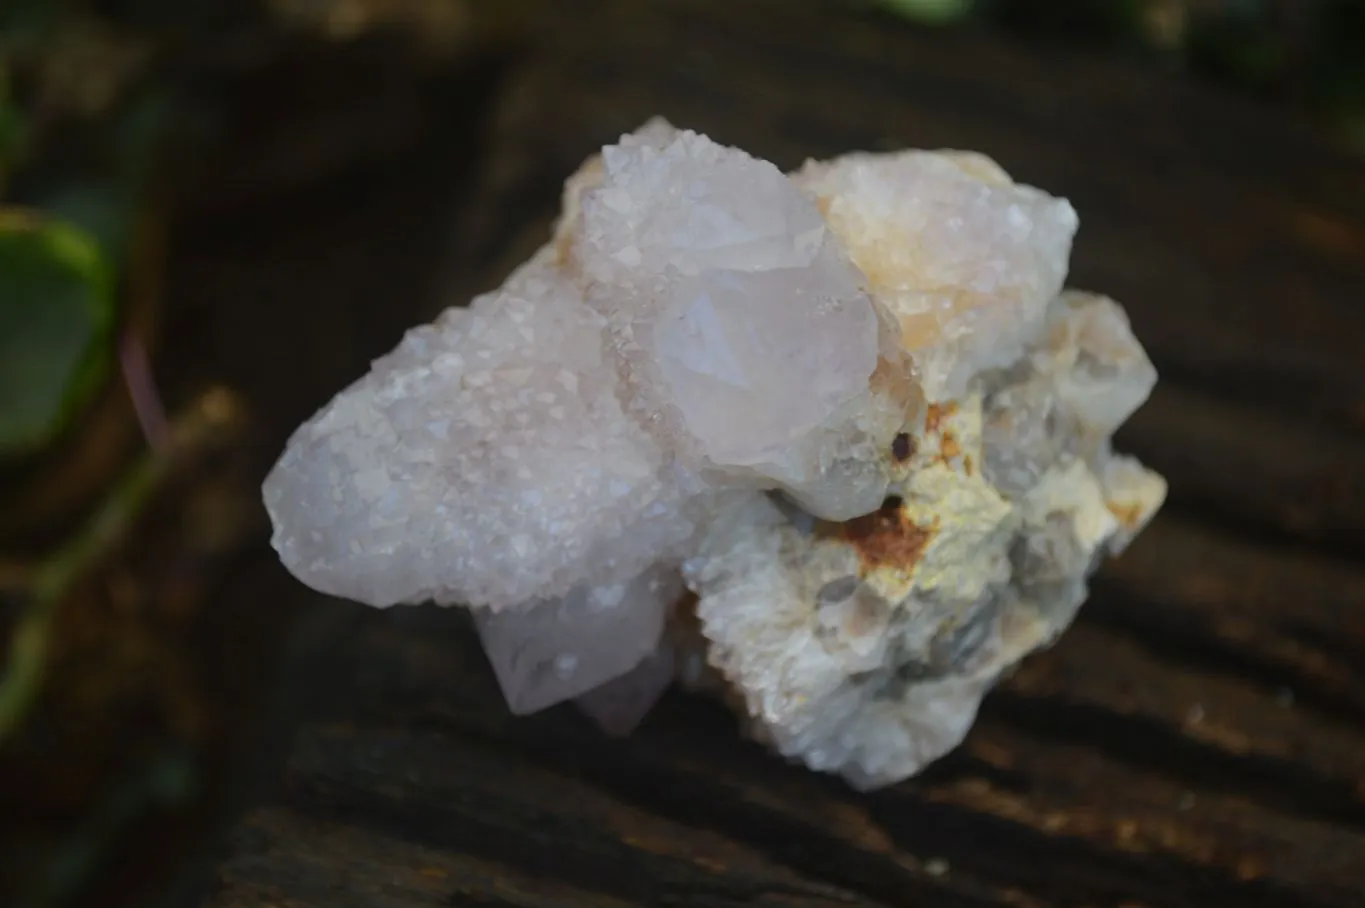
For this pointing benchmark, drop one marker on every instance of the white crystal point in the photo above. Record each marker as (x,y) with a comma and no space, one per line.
(553,651)
(715,273)
(734,354)
(670,200)
(486,460)
(1103,375)
(1081,380)
(966,259)
(851,409)
(619,705)
(1133,494)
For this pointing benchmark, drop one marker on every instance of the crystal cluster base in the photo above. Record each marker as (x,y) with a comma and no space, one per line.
(836,442)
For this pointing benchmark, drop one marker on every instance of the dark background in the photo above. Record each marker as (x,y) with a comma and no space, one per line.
(271,192)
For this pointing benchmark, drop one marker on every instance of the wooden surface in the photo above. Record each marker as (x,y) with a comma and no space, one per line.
(1196,740)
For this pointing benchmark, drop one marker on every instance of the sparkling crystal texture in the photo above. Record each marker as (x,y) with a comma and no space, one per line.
(834,445)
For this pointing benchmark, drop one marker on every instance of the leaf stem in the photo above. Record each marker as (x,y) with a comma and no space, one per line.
(54,578)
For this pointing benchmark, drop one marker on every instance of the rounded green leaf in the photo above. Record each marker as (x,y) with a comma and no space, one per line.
(56,319)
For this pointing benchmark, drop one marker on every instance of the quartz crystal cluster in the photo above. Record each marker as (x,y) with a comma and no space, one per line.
(833,443)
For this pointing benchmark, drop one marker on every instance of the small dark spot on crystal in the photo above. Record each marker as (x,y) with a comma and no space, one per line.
(953,646)
(892,503)
(902,448)
(899,681)
(837,590)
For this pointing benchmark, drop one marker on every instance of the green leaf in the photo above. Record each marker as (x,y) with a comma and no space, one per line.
(56,323)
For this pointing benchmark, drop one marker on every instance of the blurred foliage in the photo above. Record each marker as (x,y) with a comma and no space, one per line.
(72,164)
(930,12)
(83,119)
(439,25)
(1308,54)
(109,705)
(167,780)
(56,314)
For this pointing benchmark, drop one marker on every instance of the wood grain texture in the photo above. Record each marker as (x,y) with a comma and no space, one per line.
(1196,740)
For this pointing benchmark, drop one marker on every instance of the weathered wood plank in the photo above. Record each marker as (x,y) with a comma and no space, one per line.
(1252,469)
(1216,730)
(1087,781)
(1059,788)
(1291,622)
(298,858)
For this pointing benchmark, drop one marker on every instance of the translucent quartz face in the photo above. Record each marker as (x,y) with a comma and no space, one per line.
(834,443)
(733,349)
(964,258)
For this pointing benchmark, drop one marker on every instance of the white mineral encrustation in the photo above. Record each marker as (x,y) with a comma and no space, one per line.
(836,442)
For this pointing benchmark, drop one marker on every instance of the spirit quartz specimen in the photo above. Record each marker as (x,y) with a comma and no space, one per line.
(835,443)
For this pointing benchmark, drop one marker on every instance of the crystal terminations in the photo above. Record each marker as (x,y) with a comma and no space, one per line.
(835,443)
